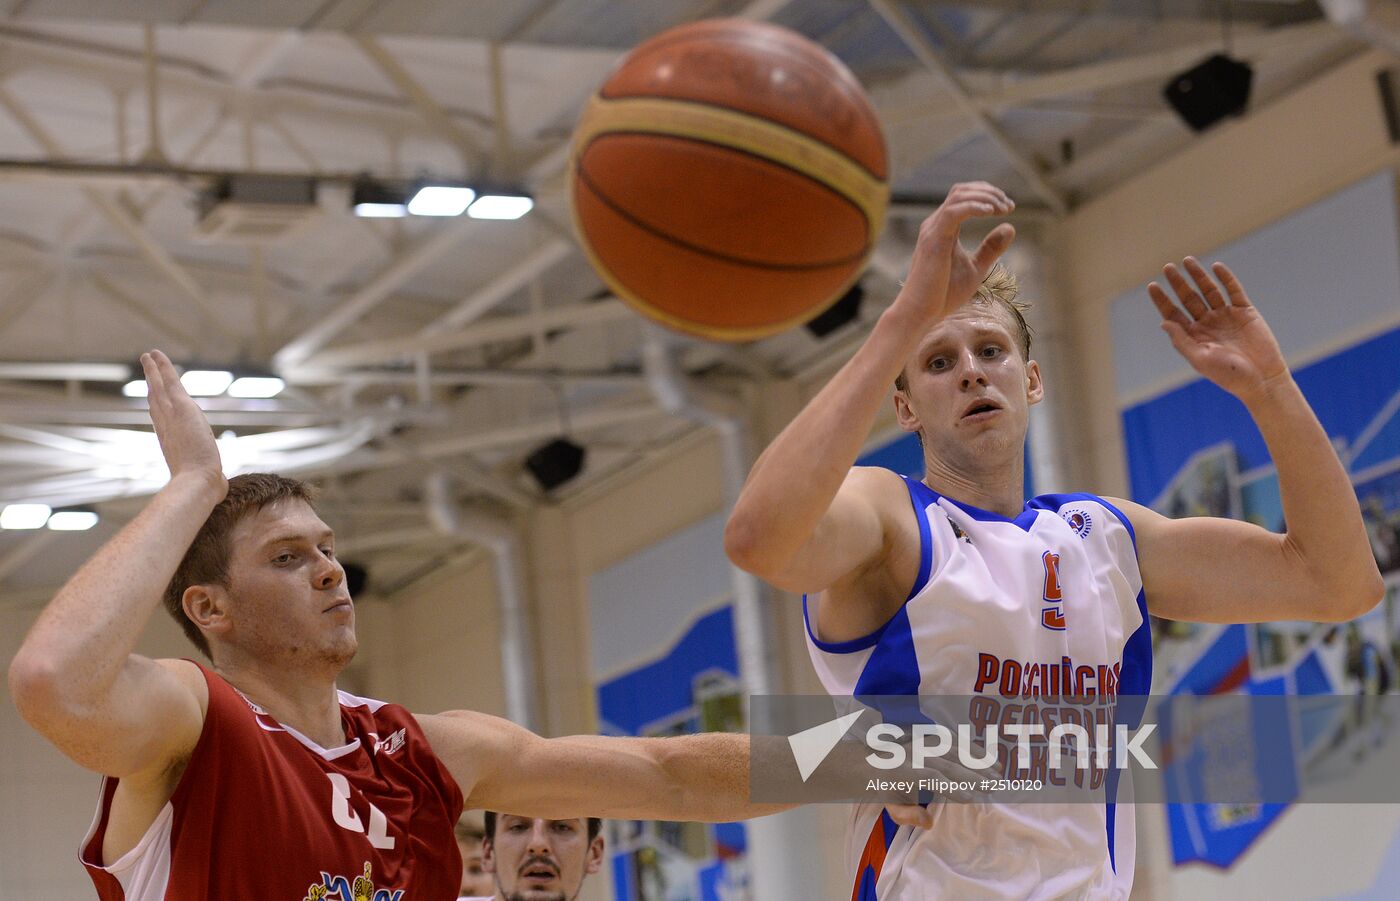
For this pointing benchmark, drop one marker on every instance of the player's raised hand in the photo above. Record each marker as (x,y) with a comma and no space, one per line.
(944,275)
(1220,334)
(181,426)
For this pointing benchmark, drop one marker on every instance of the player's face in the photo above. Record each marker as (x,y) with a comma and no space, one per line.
(286,596)
(541,860)
(970,391)
(476,881)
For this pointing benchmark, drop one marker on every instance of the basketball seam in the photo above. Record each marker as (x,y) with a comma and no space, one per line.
(716,254)
(871,201)
(665,317)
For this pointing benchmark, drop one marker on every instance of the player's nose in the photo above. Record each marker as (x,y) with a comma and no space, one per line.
(330,575)
(970,370)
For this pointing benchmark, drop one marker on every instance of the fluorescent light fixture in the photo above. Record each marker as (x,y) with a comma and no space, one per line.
(24,516)
(256,386)
(441,200)
(500,206)
(380,210)
(206,382)
(72,520)
(136,388)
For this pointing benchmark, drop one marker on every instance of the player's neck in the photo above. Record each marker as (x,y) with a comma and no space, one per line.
(306,702)
(999,489)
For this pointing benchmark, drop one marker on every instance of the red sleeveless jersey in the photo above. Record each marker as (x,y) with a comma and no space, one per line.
(264,812)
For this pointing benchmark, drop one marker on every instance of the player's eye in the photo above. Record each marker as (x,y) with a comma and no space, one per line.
(938,364)
(329,552)
(283,559)
(991,350)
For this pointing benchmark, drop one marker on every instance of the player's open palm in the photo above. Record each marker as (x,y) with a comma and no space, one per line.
(181,426)
(1220,333)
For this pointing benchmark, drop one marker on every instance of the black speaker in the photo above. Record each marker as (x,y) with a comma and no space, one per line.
(1216,88)
(838,314)
(356,578)
(1390,103)
(555,463)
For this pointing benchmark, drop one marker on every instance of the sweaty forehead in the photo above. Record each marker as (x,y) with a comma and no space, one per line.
(969,320)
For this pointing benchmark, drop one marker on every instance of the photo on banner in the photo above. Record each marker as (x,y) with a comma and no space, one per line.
(1328,280)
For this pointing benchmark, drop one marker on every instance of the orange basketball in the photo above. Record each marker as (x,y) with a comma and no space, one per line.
(729,179)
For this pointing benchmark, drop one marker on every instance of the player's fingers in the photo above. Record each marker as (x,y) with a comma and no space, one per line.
(1232,285)
(1215,299)
(993,246)
(1169,310)
(915,815)
(155,382)
(1188,295)
(1179,338)
(982,186)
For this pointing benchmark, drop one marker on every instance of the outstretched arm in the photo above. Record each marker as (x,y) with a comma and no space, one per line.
(504,767)
(690,778)
(804,518)
(1218,570)
(75,678)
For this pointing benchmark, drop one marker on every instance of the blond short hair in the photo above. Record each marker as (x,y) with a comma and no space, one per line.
(999,288)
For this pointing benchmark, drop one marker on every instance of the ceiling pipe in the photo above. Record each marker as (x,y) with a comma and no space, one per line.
(1377,24)
(517,639)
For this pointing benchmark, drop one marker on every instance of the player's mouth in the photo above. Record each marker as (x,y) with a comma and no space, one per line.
(342,604)
(539,872)
(980,410)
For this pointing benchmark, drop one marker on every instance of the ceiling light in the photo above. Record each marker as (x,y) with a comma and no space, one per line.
(72,520)
(500,206)
(256,386)
(24,516)
(380,210)
(136,388)
(441,200)
(373,199)
(206,382)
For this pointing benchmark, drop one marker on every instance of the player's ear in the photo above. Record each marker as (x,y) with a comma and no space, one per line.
(488,855)
(903,413)
(207,606)
(594,863)
(1035,388)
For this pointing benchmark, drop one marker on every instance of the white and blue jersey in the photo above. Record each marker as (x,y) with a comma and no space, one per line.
(1047,603)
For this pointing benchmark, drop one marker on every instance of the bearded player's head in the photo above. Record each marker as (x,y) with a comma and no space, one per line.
(968,388)
(534,859)
(261,585)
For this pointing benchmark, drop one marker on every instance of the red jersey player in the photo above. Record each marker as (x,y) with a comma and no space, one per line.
(256,778)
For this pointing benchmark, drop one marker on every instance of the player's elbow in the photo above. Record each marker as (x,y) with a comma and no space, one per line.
(34,685)
(1368,592)
(1354,596)
(744,544)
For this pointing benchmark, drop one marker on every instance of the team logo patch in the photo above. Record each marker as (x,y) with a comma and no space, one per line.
(391,744)
(342,888)
(1080,521)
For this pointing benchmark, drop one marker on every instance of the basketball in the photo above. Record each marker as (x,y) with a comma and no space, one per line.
(729,179)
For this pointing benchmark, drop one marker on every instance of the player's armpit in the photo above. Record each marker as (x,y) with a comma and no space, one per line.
(855,532)
(152,716)
(503,767)
(1214,570)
